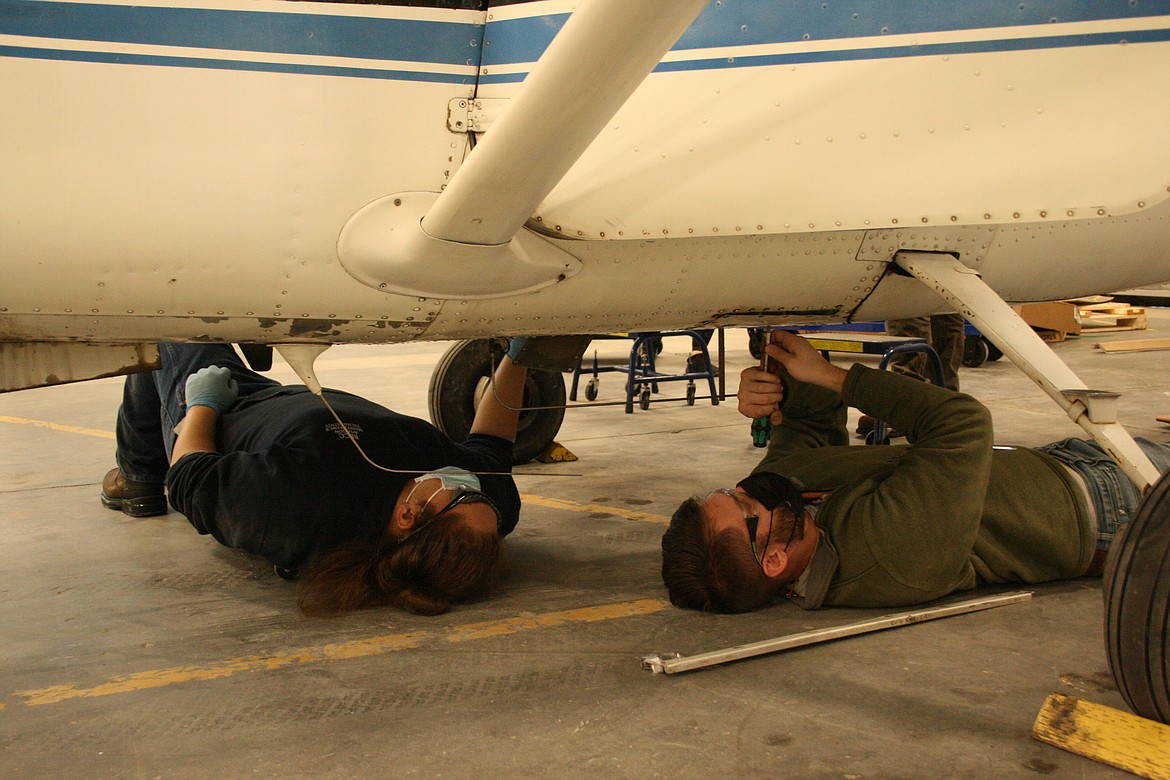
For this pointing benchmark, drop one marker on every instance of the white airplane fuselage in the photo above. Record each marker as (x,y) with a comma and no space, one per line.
(185,171)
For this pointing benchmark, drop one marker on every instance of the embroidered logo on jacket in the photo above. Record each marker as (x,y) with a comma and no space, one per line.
(354,429)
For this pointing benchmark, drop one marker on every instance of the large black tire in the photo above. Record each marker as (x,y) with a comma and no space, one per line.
(461,376)
(1137,607)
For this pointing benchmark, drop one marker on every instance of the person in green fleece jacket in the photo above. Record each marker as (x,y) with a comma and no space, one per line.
(825,523)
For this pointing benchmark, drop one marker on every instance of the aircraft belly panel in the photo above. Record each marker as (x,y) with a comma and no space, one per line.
(1082,257)
(1088,256)
(674,283)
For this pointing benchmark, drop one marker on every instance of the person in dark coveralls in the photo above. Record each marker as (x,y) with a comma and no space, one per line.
(824,523)
(267,468)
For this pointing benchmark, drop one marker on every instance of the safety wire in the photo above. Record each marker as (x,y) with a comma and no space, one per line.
(350,436)
(502,403)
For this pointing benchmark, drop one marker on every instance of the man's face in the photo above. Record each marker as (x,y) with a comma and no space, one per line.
(730,510)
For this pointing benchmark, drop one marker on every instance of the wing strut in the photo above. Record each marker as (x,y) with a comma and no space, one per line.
(467,242)
(1094,410)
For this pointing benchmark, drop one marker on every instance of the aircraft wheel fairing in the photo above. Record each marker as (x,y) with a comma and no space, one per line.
(460,379)
(1137,607)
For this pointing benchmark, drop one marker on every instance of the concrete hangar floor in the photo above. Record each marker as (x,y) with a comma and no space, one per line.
(138,649)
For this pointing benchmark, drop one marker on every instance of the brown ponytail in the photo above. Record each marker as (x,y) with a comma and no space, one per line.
(424,574)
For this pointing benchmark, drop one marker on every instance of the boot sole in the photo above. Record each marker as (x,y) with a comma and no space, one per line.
(144,506)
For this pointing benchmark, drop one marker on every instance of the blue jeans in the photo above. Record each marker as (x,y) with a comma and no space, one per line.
(153,403)
(1115,497)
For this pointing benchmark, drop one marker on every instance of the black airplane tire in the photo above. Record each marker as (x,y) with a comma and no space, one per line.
(1137,607)
(460,377)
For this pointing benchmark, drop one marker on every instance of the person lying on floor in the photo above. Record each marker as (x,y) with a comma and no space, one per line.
(267,468)
(824,523)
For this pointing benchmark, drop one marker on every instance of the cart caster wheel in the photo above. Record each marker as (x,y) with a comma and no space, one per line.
(690,393)
(591,390)
(644,399)
(975,352)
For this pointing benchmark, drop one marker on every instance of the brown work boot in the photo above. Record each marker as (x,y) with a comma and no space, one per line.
(865,425)
(137,499)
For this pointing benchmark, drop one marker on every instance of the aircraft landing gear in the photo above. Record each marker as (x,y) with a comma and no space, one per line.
(1137,607)
(460,380)
(1137,576)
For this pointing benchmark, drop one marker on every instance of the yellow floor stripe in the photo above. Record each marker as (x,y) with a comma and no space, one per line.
(573,506)
(515,625)
(377,645)
(58,427)
(158,678)
(381,645)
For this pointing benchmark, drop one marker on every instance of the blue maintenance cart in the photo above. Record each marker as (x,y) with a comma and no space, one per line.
(642,375)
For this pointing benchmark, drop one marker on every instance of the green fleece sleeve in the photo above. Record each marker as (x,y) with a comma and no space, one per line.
(813,417)
(919,521)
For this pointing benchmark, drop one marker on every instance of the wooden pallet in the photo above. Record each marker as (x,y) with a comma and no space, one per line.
(1111,317)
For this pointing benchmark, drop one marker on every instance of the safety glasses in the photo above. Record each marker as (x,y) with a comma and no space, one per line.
(752,520)
(462,496)
(469,496)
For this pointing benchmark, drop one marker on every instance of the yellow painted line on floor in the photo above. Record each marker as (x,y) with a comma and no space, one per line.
(515,625)
(573,506)
(159,678)
(360,648)
(57,427)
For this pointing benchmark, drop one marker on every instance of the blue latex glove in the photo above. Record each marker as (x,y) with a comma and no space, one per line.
(515,345)
(214,387)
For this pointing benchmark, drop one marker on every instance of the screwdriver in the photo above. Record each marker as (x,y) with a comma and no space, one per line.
(761,430)
(762,426)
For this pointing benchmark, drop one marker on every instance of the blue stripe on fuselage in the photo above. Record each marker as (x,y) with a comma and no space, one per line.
(729,24)
(447,43)
(922,50)
(67,55)
(737,23)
